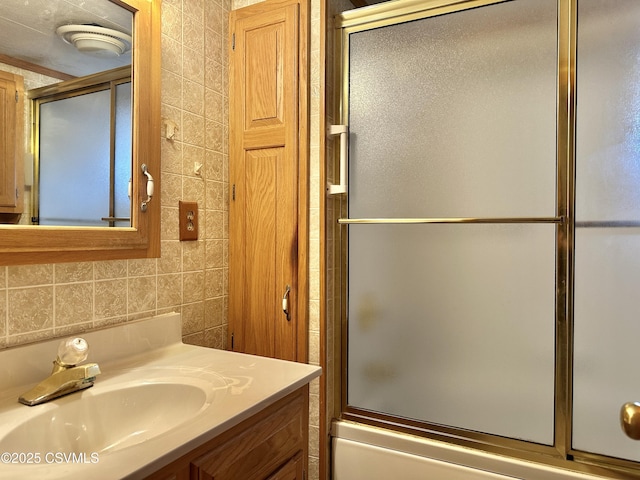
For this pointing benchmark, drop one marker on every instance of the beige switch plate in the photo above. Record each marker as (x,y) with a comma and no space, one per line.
(188,221)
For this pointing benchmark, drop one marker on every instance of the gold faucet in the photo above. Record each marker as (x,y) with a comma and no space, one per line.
(66,377)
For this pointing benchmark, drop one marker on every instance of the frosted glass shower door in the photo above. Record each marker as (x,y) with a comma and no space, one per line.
(74,160)
(454,116)
(84,158)
(607,238)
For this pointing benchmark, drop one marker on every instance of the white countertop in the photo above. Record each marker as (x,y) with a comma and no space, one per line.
(246,385)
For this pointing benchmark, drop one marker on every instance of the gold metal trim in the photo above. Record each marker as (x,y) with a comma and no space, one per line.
(387,13)
(608,224)
(565,204)
(96,79)
(405,221)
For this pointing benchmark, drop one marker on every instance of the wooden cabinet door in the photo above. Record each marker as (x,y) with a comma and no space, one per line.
(272,447)
(268,151)
(269,445)
(11,142)
(292,470)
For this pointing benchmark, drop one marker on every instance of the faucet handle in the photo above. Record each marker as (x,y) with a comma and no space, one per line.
(72,351)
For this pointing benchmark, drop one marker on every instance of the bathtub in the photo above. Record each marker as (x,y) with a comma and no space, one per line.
(362,452)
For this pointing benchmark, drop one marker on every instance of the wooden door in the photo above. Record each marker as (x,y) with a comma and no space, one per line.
(11,142)
(268,177)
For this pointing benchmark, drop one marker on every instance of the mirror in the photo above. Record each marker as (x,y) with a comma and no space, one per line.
(70,50)
(57,76)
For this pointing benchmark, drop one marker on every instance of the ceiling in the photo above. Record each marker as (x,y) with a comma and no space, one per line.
(27,32)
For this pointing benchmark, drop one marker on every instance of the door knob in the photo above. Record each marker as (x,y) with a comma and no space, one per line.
(630,419)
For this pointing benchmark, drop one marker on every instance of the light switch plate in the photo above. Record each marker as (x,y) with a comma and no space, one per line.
(188,212)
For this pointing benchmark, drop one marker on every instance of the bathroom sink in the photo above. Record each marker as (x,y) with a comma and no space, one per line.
(118,413)
(156,400)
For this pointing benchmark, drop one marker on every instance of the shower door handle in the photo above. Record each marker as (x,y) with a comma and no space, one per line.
(343,132)
(630,419)
(285,303)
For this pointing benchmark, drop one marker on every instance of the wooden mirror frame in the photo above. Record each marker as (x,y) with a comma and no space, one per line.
(47,244)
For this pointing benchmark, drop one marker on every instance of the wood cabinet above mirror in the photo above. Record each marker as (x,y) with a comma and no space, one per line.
(28,244)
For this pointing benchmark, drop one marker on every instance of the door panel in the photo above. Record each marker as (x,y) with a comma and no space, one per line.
(265,85)
(268,73)
(454,324)
(265,110)
(607,247)
(11,118)
(260,246)
(67,195)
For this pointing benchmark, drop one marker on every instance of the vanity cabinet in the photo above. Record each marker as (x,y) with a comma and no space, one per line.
(270,445)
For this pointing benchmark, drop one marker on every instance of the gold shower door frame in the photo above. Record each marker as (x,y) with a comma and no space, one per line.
(561,453)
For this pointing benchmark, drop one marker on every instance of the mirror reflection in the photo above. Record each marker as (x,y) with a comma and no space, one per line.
(74,58)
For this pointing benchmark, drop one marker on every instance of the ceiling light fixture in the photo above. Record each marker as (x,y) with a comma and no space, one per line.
(96,40)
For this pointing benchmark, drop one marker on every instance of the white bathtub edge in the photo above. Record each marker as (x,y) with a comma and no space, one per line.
(366,435)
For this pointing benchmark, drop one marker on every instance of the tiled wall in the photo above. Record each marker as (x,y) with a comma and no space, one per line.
(315,190)
(44,301)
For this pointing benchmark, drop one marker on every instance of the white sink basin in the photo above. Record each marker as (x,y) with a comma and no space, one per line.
(119,412)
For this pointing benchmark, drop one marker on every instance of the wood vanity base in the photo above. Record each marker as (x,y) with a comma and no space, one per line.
(271,445)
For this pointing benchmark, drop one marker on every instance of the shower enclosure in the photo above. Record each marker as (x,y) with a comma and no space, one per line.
(493,224)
